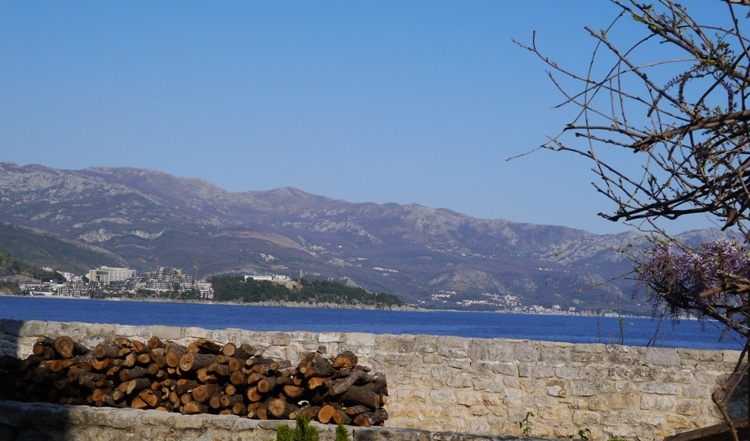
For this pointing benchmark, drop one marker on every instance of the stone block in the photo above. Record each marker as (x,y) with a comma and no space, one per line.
(234,335)
(431,358)
(118,418)
(689,355)
(491,350)
(156,418)
(293,354)
(359,340)
(527,352)
(533,385)
(589,388)
(460,381)
(660,403)
(285,338)
(402,360)
(443,395)
(514,397)
(582,389)
(678,421)
(402,344)
(36,328)
(594,373)
(425,344)
(512,382)
(453,347)
(624,386)
(638,374)
(188,422)
(682,376)
(488,383)
(329,337)
(218,336)
(510,369)
(193,332)
(731,357)
(584,418)
(540,371)
(482,368)
(623,400)
(624,355)
(661,388)
(461,364)
(688,408)
(408,393)
(697,391)
(559,353)
(569,373)
(580,350)
(662,357)
(166,333)
(469,398)
(557,388)
(276,352)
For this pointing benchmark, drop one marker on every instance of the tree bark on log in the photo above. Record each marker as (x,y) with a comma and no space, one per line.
(204,392)
(173,352)
(338,387)
(368,419)
(193,361)
(279,408)
(345,361)
(67,348)
(360,395)
(204,346)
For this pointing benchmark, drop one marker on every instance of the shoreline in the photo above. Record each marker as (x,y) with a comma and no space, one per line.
(272,304)
(333,306)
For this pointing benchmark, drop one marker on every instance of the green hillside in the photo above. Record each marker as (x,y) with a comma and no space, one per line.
(42,249)
(237,289)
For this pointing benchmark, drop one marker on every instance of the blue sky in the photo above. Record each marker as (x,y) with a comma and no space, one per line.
(389,101)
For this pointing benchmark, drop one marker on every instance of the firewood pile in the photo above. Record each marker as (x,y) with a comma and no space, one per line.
(202,377)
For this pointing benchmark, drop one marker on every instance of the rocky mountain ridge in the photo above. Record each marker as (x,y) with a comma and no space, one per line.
(433,257)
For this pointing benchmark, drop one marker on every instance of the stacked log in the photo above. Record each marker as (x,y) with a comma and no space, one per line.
(202,377)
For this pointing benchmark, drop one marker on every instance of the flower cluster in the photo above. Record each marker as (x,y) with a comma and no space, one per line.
(712,280)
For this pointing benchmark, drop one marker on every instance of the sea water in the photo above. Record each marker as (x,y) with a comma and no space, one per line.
(634,331)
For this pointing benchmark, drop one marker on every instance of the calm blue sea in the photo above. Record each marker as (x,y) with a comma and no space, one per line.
(573,329)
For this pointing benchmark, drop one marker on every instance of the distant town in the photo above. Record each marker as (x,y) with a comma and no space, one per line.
(169,283)
(509,303)
(113,282)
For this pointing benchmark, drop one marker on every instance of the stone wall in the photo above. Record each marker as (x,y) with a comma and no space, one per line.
(42,421)
(484,386)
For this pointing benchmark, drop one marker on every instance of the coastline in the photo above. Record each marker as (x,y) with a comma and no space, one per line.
(334,306)
(273,304)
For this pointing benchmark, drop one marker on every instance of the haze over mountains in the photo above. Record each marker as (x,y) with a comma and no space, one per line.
(434,257)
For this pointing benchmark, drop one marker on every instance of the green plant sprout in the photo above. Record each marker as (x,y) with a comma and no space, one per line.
(341,433)
(302,432)
(525,423)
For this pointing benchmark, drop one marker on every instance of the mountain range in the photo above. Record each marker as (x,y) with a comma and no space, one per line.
(436,258)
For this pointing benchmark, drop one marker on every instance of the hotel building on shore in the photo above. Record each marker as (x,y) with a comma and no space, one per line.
(106,274)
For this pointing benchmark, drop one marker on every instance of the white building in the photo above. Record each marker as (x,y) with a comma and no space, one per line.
(272,278)
(106,274)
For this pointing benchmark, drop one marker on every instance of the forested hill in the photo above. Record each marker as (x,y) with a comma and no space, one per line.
(313,292)
(13,271)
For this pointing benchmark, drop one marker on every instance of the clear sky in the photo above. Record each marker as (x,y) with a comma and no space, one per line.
(381,101)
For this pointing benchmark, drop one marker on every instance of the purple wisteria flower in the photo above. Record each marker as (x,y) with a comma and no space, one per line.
(712,280)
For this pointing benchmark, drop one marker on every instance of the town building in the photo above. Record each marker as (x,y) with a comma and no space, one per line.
(105,274)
